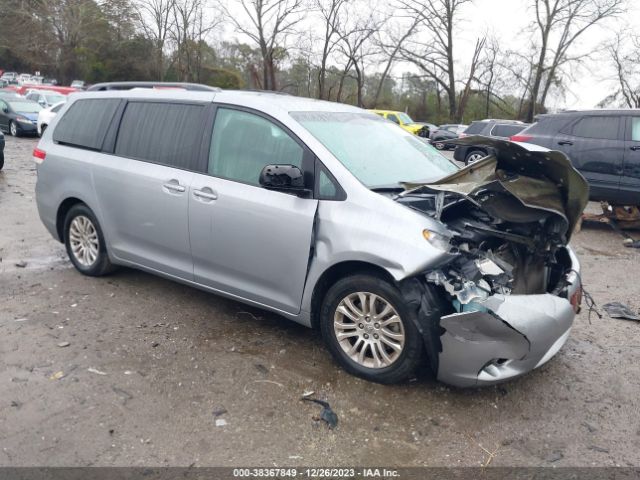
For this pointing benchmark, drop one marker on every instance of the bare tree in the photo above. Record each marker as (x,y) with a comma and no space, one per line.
(435,54)
(356,47)
(391,46)
(331,12)
(624,52)
(560,23)
(155,18)
(466,91)
(267,23)
(190,28)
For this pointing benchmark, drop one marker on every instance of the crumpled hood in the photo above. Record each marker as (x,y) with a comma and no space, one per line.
(540,179)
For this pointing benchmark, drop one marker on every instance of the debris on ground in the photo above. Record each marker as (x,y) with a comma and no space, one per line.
(96,371)
(555,456)
(219,411)
(327,415)
(154,344)
(57,375)
(261,368)
(21,264)
(595,448)
(307,393)
(63,344)
(620,310)
(220,422)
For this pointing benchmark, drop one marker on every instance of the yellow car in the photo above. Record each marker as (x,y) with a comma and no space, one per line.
(405,122)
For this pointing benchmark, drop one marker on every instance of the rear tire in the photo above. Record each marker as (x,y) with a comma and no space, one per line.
(391,345)
(13,129)
(439,145)
(1,160)
(85,243)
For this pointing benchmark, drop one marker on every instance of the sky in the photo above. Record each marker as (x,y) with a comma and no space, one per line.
(508,20)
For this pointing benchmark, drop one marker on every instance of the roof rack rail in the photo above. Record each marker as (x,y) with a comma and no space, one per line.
(129,85)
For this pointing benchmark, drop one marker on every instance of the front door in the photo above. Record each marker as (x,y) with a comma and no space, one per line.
(248,241)
(595,147)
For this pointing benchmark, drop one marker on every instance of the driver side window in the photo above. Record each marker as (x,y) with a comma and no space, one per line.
(244,143)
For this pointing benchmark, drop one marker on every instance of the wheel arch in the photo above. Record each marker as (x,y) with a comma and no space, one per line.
(61,214)
(336,272)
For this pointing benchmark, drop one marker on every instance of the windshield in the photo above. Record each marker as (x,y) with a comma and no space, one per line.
(375,151)
(404,118)
(25,107)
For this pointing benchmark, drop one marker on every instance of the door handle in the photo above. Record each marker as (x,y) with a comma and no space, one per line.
(635,148)
(565,142)
(206,195)
(174,187)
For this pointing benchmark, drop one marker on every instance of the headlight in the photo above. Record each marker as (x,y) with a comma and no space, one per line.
(436,239)
(23,120)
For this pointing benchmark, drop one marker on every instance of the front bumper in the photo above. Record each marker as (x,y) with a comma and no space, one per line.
(509,336)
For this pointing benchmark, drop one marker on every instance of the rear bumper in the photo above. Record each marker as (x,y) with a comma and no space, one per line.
(509,336)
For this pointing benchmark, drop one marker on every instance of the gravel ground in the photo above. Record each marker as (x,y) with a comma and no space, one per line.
(133,370)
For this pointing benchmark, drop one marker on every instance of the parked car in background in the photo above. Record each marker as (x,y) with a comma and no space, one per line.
(24,89)
(604,145)
(430,127)
(50,81)
(500,129)
(24,78)
(47,114)
(439,137)
(46,98)
(404,120)
(6,92)
(79,84)
(36,80)
(356,227)
(1,150)
(3,83)
(11,77)
(18,116)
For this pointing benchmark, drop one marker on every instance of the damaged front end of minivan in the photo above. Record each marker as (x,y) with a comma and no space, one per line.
(505,302)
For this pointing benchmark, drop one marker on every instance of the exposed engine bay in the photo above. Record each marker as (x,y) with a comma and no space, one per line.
(504,302)
(510,217)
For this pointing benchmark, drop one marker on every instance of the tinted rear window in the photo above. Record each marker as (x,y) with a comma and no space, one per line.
(506,130)
(605,128)
(85,123)
(165,133)
(475,127)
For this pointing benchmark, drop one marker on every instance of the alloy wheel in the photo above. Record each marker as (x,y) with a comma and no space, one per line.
(369,330)
(13,129)
(83,238)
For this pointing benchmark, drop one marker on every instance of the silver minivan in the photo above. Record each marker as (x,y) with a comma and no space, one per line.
(328,215)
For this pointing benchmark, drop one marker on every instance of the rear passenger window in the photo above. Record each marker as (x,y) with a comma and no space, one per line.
(506,130)
(164,133)
(475,127)
(244,143)
(85,123)
(605,128)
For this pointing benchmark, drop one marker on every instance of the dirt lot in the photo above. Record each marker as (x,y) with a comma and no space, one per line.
(152,367)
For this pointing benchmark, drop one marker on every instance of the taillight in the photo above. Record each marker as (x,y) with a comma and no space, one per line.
(521,138)
(38,155)
(576,300)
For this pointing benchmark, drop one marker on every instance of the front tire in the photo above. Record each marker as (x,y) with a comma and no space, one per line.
(13,129)
(85,243)
(439,145)
(369,330)
(474,156)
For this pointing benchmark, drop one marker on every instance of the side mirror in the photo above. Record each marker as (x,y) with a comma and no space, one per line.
(285,178)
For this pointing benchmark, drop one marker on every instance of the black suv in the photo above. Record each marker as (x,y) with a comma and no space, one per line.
(604,145)
(500,129)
